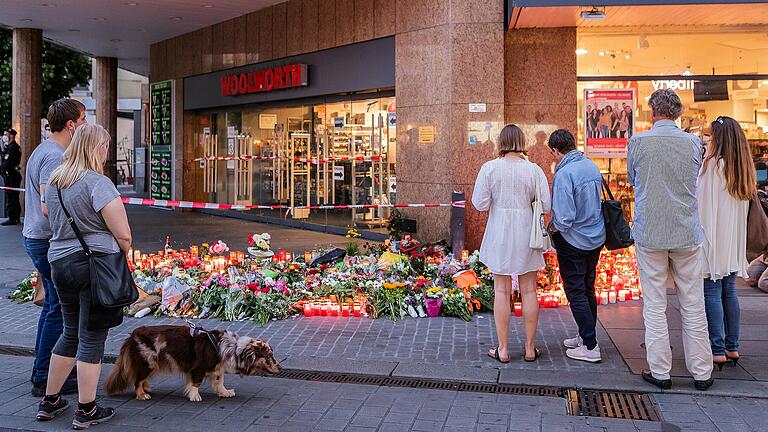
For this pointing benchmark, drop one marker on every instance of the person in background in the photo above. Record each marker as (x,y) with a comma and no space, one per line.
(727,183)
(97,210)
(594,120)
(9,167)
(757,273)
(615,121)
(64,116)
(588,126)
(623,121)
(605,122)
(663,165)
(506,187)
(46,132)
(630,120)
(578,233)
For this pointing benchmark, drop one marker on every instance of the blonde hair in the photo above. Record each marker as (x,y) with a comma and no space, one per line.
(81,155)
(511,140)
(729,144)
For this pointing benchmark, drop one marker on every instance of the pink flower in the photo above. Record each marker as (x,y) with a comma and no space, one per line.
(219,248)
(281,286)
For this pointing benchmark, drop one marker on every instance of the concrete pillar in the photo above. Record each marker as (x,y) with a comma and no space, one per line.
(27,89)
(105,89)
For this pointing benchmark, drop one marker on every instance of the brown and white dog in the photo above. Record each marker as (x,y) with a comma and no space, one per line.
(173,349)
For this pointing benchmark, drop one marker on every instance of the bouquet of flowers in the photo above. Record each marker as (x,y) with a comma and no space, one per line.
(25,290)
(260,246)
(455,304)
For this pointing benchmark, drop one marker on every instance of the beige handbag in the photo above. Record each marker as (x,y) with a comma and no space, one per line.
(539,239)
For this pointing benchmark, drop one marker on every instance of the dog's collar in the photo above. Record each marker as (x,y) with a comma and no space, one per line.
(195,330)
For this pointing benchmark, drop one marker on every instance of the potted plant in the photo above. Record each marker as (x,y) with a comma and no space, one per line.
(434,301)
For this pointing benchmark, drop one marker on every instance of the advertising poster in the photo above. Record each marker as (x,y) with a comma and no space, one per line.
(609,116)
(161,153)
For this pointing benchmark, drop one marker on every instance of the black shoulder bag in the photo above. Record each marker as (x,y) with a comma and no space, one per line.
(618,235)
(112,284)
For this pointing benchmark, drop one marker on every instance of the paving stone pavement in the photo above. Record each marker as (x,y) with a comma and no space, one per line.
(271,404)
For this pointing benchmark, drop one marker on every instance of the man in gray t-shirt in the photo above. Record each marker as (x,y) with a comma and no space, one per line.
(64,116)
(46,158)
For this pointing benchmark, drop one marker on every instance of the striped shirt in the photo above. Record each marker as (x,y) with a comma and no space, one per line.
(663,165)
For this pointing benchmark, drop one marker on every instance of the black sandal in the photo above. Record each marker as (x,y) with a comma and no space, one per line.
(537,353)
(496,357)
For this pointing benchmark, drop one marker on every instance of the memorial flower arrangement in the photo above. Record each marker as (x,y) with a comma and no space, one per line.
(397,279)
(25,290)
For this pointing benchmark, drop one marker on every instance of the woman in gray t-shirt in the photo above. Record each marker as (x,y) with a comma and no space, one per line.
(97,210)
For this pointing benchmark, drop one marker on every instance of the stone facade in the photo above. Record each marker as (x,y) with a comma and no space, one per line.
(449,54)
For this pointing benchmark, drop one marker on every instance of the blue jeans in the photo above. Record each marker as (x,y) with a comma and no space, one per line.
(51,324)
(723,314)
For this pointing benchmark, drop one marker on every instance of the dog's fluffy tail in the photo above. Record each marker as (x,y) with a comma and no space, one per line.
(121,375)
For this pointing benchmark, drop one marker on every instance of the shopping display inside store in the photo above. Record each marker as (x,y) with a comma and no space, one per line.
(333,153)
(716,72)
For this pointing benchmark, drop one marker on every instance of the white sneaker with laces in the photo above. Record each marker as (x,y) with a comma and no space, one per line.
(573,342)
(584,354)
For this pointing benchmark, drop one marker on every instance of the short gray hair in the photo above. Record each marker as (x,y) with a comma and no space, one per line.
(666,103)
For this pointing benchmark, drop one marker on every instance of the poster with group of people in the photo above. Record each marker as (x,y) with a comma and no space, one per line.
(608,122)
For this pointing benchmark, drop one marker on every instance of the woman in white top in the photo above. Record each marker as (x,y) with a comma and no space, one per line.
(506,187)
(726,185)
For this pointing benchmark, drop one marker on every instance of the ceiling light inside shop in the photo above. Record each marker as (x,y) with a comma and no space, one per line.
(581,51)
(594,14)
(627,56)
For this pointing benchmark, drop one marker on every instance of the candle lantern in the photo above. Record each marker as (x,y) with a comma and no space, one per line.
(307,257)
(288,256)
(518,306)
(345,309)
(193,250)
(612,297)
(464,255)
(307,309)
(603,297)
(324,309)
(357,309)
(333,308)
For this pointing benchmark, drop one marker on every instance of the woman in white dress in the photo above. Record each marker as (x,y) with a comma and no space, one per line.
(506,187)
(727,183)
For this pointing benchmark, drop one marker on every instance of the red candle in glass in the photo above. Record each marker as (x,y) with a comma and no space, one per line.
(334,309)
(518,309)
(307,309)
(345,309)
(356,309)
(316,310)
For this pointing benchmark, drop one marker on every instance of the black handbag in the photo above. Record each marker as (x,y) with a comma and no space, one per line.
(112,284)
(618,235)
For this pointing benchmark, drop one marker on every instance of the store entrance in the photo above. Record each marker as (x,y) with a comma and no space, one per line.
(329,154)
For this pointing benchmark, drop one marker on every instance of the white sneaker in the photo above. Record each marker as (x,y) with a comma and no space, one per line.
(584,354)
(573,342)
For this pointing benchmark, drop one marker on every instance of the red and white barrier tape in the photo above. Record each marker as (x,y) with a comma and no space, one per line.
(296,159)
(217,206)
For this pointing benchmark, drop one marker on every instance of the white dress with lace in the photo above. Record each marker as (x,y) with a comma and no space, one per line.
(507,188)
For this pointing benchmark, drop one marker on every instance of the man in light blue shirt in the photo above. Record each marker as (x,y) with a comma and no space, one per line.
(578,233)
(663,165)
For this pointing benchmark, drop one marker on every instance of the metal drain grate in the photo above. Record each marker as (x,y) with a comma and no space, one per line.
(386,381)
(631,406)
(389,381)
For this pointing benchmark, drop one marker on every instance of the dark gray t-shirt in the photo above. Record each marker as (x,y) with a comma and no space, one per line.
(84,200)
(44,159)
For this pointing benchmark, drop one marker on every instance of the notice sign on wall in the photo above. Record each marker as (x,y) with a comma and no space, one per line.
(609,122)
(161,150)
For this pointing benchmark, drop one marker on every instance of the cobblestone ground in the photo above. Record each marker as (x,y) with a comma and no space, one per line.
(270,404)
(447,341)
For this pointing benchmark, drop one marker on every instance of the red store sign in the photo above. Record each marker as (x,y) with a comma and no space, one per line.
(265,80)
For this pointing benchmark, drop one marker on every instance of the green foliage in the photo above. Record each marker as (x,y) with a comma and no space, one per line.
(63,70)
